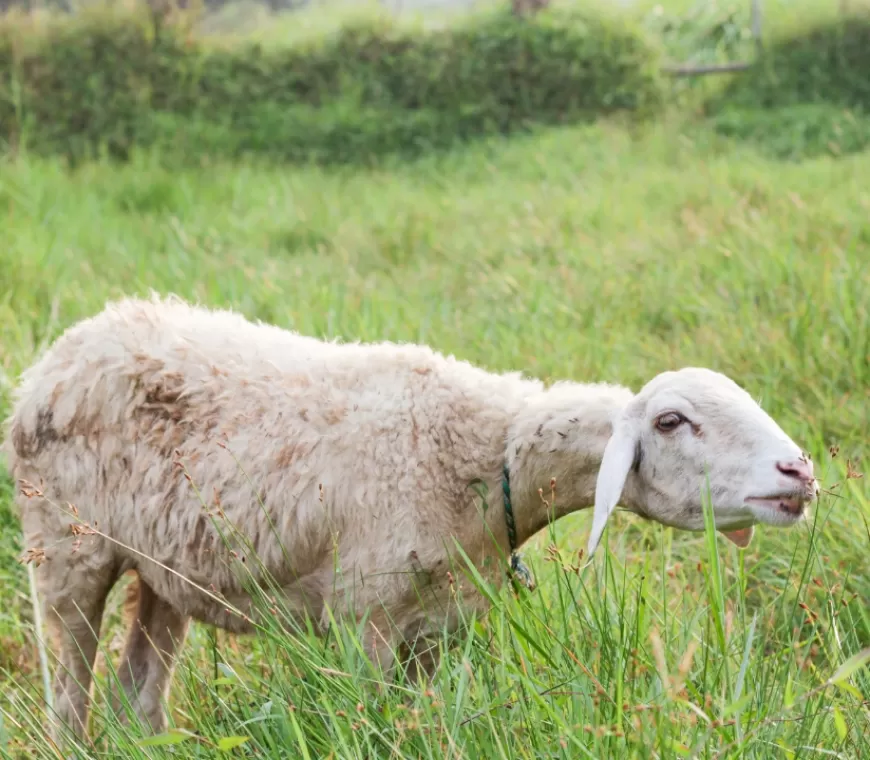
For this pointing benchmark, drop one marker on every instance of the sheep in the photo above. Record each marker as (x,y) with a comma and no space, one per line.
(369,457)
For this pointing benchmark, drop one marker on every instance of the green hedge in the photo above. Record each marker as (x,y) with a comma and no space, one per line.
(110,80)
(808,96)
(825,63)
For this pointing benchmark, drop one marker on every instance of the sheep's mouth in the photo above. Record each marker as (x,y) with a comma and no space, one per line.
(788,504)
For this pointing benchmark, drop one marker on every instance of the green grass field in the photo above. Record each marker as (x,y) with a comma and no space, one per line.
(592,253)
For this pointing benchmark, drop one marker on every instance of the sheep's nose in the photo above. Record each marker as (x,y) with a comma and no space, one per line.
(799,469)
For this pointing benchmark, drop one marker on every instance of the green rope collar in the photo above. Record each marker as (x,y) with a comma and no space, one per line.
(518,568)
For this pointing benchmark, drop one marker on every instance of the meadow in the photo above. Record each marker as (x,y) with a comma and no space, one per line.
(604,251)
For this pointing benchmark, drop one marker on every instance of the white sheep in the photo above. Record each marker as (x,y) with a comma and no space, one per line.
(138,415)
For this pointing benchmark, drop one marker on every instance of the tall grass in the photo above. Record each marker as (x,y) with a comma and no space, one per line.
(589,253)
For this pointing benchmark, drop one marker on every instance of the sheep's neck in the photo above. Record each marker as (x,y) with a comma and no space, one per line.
(565,448)
(539,504)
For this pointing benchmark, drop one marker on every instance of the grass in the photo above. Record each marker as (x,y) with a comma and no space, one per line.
(587,253)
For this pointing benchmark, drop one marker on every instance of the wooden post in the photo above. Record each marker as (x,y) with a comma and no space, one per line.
(756,26)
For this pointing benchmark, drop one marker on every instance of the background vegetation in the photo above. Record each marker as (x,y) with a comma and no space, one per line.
(529,194)
(115,80)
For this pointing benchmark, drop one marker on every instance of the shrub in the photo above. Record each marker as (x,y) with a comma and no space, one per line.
(824,63)
(809,94)
(83,82)
(111,80)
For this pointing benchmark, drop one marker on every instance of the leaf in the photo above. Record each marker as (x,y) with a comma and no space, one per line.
(231,742)
(840,723)
(170,737)
(300,736)
(680,749)
(852,665)
(737,707)
(849,689)
(789,693)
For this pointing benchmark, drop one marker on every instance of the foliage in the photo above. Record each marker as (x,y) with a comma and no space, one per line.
(822,62)
(708,31)
(109,80)
(809,95)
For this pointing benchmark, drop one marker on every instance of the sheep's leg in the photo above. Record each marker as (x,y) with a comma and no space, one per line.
(157,633)
(425,656)
(380,642)
(384,646)
(76,623)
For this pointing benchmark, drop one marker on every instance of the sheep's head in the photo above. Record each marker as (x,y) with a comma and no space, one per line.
(694,434)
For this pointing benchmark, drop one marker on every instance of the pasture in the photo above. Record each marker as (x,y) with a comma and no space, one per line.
(604,251)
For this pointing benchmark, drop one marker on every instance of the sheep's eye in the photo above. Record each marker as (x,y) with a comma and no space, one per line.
(669,421)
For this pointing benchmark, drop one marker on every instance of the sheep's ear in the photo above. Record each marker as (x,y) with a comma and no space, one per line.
(619,455)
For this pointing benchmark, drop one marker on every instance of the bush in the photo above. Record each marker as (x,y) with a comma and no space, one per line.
(825,63)
(111,80)
(83,83)
(808,96)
